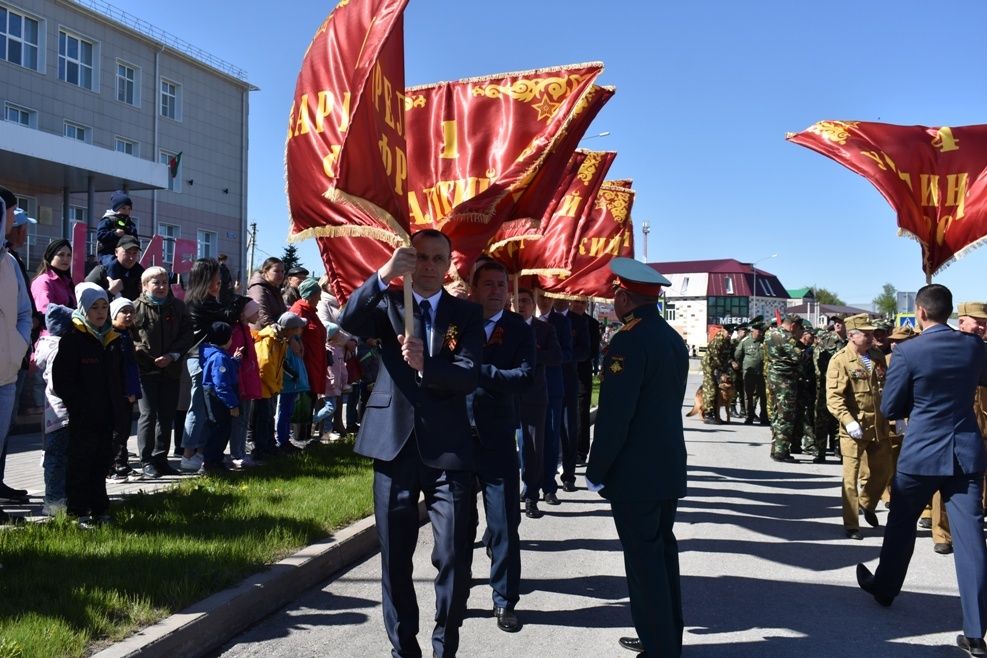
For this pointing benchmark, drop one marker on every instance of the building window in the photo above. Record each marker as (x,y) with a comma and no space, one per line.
(170,233)
(728,281)
(128,146)
(207,243)
(171,96)
(28,205)
(670,312)
(166,158)
(75,60)
(19,38)
(22,115)
(78,214)
(79,132)
(128,84)
(727,310)
(685,285)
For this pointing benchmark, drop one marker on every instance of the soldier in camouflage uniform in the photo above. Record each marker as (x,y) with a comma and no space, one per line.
(714,363)
(805,412)
(827,344)
(750,355)
(736,374)
(782,359)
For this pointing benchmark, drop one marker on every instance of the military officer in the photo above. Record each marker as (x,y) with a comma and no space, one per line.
(854,380)
(737,373)
(827,344)
(782,361)
(806,400)
(750,354)
(638,458)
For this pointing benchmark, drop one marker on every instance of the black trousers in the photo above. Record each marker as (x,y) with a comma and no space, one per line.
(89,459)
(568,432)
(502,510)
(651,558)
(532,449)
(448,496)
(754,392)
(585,397)
(157,415)
(121,434)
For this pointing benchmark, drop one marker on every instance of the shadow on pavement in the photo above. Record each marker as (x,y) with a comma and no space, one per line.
(561,545)
(321,608)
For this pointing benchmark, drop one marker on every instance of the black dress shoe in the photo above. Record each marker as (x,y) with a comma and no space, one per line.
(974,646)
(788,459)
(507,620)
(943,549)
(552,499)
(853,533)
(568,487)
(631,644)
(871,517)
(12,495)
(531,509)
(866,581)
(819,459)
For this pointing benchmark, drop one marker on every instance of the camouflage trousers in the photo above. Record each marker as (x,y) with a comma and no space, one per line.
(710,391)
(805,417)
(826,428)
(782,400)
(738,387)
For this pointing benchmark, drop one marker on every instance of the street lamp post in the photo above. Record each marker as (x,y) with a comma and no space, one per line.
(605,133)
(645,229)
(752,311)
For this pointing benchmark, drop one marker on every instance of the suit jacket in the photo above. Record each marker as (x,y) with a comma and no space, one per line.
(932,381)
(638,452)
(585,367)
(548,355)
(431,404)
(507,373)
(581,348)
(556,375)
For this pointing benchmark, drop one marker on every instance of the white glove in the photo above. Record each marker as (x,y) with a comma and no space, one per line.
(854,430)
(592,486)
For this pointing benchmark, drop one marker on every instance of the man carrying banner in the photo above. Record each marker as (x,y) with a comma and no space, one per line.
(417,431)
(638,457)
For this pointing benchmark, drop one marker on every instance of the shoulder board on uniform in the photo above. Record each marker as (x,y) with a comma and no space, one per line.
(630,325)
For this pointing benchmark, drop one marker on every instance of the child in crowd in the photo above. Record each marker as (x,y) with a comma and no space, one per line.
(81,375)
(295,384)
(127,390)
(219,387)
(242,344)
(271,343)
(335,381)
(58,322)
(115,224)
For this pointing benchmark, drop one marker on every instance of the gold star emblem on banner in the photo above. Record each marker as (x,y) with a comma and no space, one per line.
(546,108)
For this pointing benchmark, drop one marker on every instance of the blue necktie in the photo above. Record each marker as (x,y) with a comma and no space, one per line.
(425,310)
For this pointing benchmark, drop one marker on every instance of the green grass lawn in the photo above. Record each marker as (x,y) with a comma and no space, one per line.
(594,397)
(65,588)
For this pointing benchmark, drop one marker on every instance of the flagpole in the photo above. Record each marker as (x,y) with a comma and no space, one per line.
(517,289)
(409,311)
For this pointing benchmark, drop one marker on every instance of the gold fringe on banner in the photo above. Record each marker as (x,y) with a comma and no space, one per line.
(350,231)
(545,271)
(508,74)
(491,248)
(336,195)
(576,298)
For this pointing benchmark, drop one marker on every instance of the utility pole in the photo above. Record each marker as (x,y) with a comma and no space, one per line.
(645,229)
(252,246)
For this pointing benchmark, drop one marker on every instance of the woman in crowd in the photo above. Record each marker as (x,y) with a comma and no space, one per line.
(314,339)
(264,288)
(53,284)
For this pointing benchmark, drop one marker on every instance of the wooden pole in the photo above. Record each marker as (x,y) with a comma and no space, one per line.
(409,310)
(517,289)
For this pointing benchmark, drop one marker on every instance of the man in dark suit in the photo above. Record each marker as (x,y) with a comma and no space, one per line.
(534,404)
(638,458)
(556,379)
(506,373)
(932,382)
(569,434)
(417,431)
(584,369)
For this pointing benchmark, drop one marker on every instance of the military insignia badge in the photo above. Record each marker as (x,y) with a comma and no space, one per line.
(451,337)
(616,364)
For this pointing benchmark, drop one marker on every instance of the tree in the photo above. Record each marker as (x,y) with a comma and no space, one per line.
(290,257)
(887,302)
(824,296)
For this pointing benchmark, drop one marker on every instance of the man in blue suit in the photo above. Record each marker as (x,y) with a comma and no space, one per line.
(931,382)
(569,434)
(417,431)
(506,373)
(556,377)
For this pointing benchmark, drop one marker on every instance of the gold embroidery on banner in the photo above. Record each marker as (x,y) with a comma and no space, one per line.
(618,203)
(544,94)
(944,140)
(833,131)
(413,101)
(589,166)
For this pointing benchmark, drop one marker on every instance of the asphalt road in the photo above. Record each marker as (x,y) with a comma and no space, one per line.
(766,571)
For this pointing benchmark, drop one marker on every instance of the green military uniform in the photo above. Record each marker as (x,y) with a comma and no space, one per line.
(750,355)
(853,394)
(805,403)
(782,359)
(639,457)
(714,364)
(826,430)
(737,376)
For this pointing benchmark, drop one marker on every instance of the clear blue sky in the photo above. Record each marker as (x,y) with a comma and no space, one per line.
(705,94)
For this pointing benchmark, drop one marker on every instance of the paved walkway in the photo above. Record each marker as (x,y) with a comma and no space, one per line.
(766,571)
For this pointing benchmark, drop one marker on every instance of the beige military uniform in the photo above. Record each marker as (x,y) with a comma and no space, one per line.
(853,393)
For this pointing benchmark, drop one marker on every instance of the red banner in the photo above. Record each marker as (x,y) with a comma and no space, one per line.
(345,157)
(934,178)
(476,145)
(606,231)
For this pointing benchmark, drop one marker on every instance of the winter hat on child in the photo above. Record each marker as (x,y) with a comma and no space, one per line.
(58,319)
(87,294)
(289,320)
(220,333)
(307,287)
(120,199)
(118,305)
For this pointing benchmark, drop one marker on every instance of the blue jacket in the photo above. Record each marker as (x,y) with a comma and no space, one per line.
(932,381)
(219,374)
(554,376)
